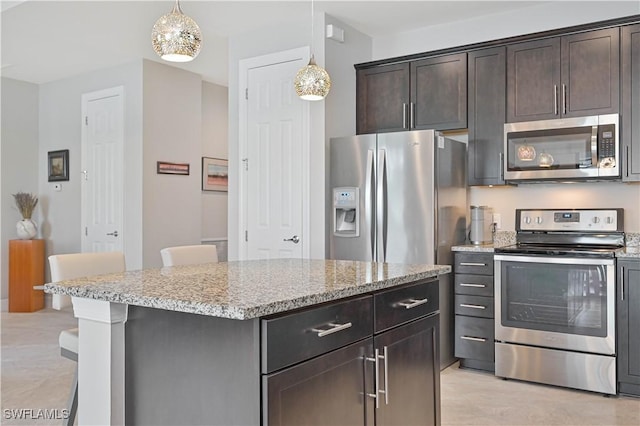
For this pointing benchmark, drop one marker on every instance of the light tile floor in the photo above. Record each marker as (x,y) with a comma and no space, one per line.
(35,376)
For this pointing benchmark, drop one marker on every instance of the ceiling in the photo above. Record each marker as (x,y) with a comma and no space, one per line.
(45,41)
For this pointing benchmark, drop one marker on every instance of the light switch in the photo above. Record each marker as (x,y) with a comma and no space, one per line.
(497,219)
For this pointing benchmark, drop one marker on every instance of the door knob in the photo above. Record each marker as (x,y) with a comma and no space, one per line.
(294,239)
(114,233)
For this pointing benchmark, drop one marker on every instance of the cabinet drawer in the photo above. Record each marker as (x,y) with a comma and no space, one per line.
(400,305)
(474,338)
(475,285)
(474,306)
(296,337)
(474,263)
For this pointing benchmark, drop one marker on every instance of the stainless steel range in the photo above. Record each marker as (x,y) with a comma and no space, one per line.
(555,298)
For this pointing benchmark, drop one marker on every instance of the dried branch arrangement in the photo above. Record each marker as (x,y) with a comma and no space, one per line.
(26,203)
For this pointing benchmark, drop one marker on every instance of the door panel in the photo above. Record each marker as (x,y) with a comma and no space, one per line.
(533,76)
(324,391)
(352,162)
(631,102)
(383,98)
(274,199)
(102,159)
(590,73)
(406,175)
(413,381)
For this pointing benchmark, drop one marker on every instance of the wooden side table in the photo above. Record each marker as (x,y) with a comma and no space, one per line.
(26,269)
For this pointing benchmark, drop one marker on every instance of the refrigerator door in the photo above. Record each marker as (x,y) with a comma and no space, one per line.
(406,201)
(352,165)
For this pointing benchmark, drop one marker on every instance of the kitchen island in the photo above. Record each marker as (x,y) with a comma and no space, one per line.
(208,344)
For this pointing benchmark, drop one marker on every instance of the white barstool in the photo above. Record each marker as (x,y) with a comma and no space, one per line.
(189,255)
(67,267)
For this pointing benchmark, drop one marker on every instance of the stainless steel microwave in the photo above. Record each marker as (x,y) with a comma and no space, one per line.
(584,148)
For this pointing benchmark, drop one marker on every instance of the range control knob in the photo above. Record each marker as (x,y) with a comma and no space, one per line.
(539,220)
(595,219)
(609,220)
(527,220)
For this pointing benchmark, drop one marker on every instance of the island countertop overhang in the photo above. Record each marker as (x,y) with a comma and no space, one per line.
(243,290)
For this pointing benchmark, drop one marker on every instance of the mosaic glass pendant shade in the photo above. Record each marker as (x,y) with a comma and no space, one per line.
(312,83)
(176,37)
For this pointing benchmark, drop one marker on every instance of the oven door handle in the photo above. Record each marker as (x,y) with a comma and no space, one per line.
(555,260)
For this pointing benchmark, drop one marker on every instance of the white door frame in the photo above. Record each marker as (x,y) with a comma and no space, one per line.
(86,98)
(244,66)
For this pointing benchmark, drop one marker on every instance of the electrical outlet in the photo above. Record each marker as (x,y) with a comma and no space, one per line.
(497,219)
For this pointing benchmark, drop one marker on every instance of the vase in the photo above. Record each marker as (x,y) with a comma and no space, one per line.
(27,229)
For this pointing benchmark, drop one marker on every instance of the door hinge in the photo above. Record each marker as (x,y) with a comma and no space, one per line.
(246,93)
(246,164)
(86,231)
(86,120)
(246,235)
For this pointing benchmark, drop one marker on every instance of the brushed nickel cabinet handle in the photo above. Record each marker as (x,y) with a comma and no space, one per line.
(622,284)
(473,285)
(472,264)
(564,98)
(555,99)
(334,329)
(412,303)
(404,115)
(412,116)
(385,356)
(376,357)
(466,305)
(475,339)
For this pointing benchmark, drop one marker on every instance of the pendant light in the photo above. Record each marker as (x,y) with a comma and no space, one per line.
(176,37)
(312,82)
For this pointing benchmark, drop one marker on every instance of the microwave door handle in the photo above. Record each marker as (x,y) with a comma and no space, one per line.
(594,146)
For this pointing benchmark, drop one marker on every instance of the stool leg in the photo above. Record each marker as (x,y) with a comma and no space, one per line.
(72,404)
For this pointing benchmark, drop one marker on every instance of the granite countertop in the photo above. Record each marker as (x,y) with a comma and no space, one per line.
(245,289)
(630,251)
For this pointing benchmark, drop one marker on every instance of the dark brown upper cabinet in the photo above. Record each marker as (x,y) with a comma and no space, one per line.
(570,76)
(630,121)
(382,98)
(429,93)
(487,100)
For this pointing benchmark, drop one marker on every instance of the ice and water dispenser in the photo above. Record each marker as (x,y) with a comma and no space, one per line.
(346,212)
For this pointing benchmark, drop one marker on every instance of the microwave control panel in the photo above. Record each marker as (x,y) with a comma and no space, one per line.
(606,141)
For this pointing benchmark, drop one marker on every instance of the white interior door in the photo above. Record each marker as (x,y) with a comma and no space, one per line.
(273,163)
(102,166)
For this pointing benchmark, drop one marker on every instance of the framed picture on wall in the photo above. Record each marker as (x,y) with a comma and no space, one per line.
(58,162)
(215,174)
(165,168)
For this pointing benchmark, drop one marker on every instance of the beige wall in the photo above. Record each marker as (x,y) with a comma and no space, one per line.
(214,144)
(505,200)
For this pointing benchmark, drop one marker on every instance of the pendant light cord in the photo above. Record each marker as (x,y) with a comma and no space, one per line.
(312,27)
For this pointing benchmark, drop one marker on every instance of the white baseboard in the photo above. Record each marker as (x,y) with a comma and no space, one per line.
(4,305)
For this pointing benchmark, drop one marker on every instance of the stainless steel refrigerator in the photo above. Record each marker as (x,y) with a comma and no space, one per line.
(400,198)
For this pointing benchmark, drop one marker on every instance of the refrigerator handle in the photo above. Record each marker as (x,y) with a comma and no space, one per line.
(381,211)
(369,204)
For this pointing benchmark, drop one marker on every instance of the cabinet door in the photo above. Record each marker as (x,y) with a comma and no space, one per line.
(327,390)
(533,78)
(486,115)
(439,92)
(630,134)
(412,380)
(590,73)
(629,326)
(382,99)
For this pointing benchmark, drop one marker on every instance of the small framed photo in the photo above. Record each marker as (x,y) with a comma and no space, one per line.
(165,168)
(58,162)
(215,174)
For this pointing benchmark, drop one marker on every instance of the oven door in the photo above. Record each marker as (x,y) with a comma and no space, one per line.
(553,302)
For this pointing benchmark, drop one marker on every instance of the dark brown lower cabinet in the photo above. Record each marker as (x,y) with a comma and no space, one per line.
(339,388)
(328,390)
(628,316)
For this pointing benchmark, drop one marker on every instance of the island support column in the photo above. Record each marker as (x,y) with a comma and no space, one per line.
(101,378)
